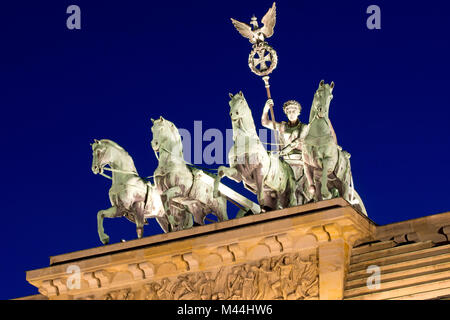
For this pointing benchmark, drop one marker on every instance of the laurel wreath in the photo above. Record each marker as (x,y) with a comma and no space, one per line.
(260,50)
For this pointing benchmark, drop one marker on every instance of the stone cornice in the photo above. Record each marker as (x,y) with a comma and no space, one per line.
(297,230)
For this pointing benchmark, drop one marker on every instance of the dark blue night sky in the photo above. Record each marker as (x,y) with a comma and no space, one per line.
(136,60)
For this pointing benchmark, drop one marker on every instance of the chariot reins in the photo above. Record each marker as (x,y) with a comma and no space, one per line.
(202,168)
(187,163)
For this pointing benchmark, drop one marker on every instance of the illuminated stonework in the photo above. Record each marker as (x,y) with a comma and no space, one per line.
(316,251)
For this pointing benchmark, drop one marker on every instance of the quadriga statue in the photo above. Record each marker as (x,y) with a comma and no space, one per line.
(130,195)
(326,165)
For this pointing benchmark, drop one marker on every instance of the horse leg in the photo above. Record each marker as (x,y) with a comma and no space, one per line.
(309,169)
(216,184)
(274,200)
(163,223)
(259,180)
(303,195)
(138,208)
(326,166)
(196,210)
(167,196)
(309,173)
(220,209)
(292,192)
(241,213)
(222,171)
(188,221)
(108,213)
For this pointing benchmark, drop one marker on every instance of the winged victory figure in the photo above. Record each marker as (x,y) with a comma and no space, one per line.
(257,34)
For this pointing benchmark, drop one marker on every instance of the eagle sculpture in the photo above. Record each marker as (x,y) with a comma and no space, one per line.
(256,34)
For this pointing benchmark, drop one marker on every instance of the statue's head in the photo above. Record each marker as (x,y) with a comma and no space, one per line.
(322,99)
(292,109)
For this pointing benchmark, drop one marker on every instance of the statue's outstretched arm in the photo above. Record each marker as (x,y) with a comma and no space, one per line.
(265,121)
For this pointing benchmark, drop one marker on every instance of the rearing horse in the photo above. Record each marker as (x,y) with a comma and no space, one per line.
(130,195)
(323,157)
(268,176)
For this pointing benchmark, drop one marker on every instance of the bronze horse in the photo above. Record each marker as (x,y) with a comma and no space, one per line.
(266,175)
(186,198)
(326,165)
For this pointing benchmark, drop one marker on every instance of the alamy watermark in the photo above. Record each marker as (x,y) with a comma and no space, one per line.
(211,146)
(74,279)
(74,20)
(374,280)
(374,20)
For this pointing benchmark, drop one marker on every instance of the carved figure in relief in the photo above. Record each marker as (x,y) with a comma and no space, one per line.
(206,286)
(163,291)
(285,283)
(234,284)
(151,291)
(248,275)
(123,294)
(306,273)
(263,285)
(184,290)
(282,277)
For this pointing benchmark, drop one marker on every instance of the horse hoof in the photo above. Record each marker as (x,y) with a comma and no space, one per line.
(105,240)
(326,196)
(335,193)
(248,213)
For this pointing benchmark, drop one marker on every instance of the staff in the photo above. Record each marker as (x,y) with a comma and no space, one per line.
(263,58)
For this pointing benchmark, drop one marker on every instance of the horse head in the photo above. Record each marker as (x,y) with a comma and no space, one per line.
(101,155)
(165,136)
(107,152)
(321,102)
(238,106)
(240,113)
